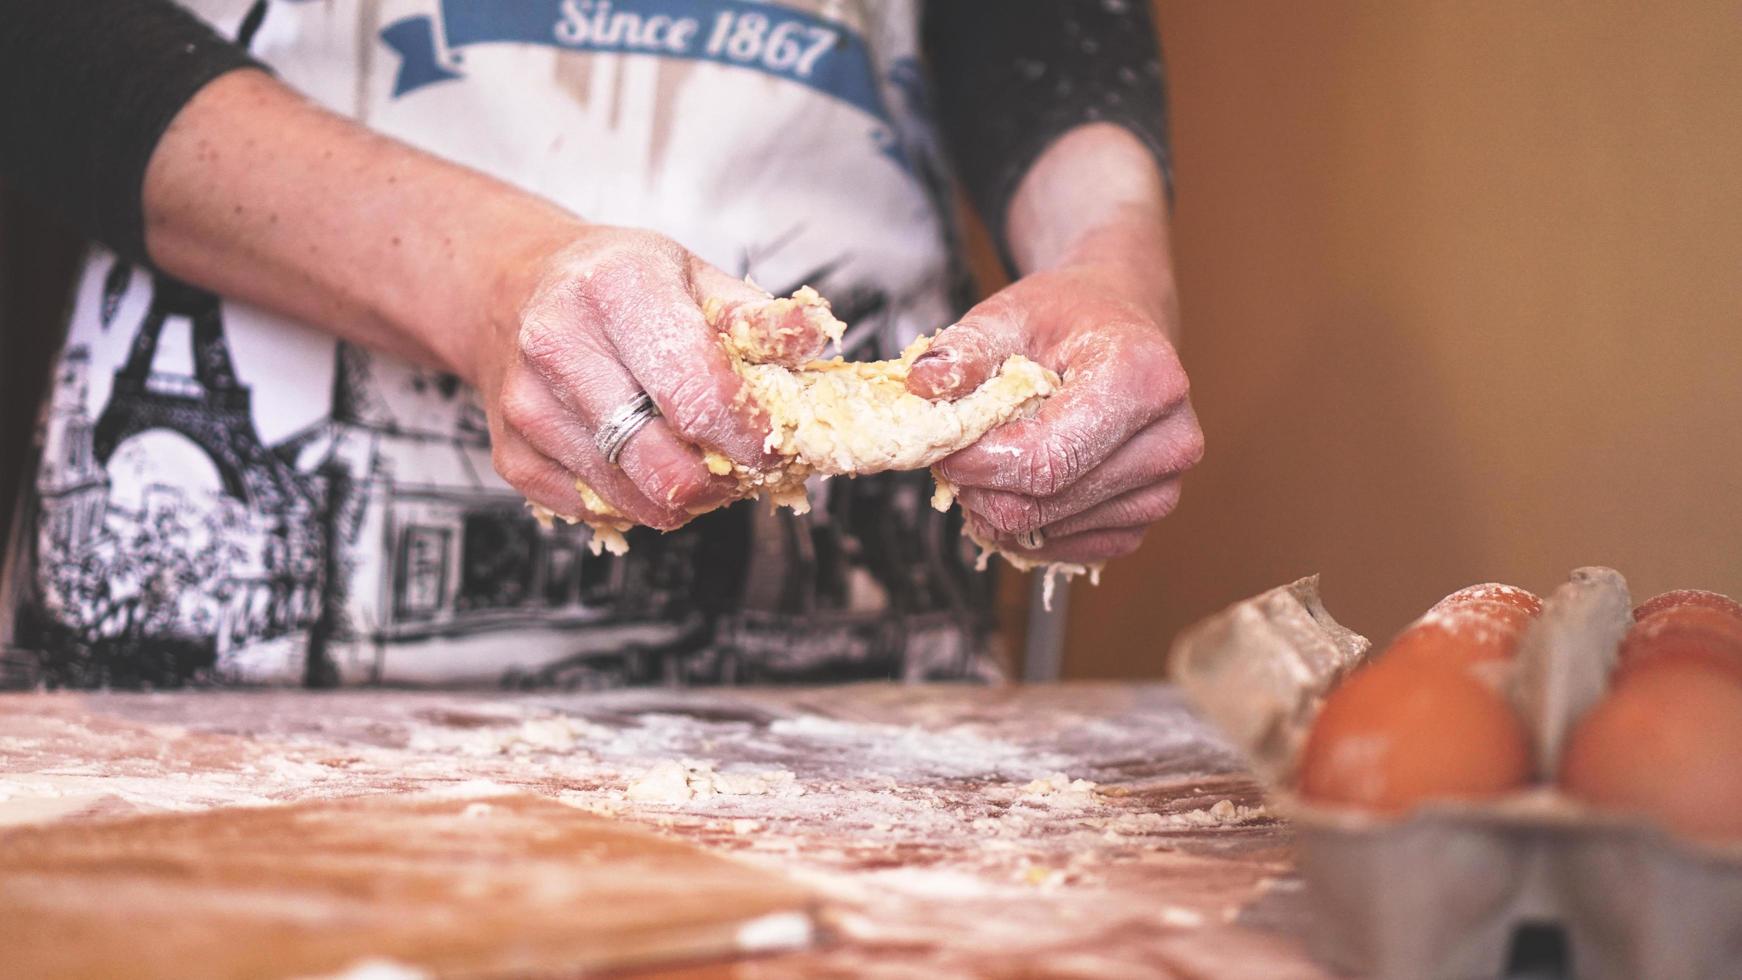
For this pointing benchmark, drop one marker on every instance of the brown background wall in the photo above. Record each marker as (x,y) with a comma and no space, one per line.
(1463,298)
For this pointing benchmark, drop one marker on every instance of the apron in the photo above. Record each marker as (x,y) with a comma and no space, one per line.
(226,496)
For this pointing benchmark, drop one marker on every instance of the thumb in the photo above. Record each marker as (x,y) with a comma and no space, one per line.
(765,329)
(965,354)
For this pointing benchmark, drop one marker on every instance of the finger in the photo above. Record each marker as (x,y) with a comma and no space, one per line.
(658,481)
(659,335)
(768,330)
(539,478)
(1136,508)
(966,353)
(1086,548)
(1112,390)
(712,282)
(1167,446)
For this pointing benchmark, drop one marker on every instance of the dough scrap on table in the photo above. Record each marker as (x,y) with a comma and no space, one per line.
(842,418)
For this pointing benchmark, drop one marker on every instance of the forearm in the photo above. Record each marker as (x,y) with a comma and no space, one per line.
(1096,198)
(1077,82)
(258,194)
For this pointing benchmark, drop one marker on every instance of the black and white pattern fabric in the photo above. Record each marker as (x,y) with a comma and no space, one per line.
(227,497)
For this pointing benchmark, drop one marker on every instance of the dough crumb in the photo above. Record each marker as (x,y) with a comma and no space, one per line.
(379,968)
(675,781)
(1174,915)
(1223,813)
(1060,791)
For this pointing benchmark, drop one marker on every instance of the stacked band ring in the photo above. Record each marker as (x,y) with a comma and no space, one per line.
(621,425)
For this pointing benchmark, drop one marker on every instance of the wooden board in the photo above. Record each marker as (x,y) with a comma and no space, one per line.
(504,886)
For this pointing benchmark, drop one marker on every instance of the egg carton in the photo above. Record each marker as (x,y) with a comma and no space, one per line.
(1460,889)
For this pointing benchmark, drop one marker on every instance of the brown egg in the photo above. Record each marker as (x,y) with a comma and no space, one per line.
(1683,598)
(1523,600)
(1694,634)
(1399,732)
(1666,745)
(1471,633)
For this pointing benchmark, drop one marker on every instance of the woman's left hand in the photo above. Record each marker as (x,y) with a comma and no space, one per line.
(1101,461)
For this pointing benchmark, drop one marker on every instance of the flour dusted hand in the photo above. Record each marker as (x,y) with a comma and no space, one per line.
(1100,462)
(830,417)
(588,320)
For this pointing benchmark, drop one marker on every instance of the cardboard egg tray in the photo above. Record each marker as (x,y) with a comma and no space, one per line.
(1448,889)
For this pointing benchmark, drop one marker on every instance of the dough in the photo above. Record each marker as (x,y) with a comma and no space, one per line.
(843,418)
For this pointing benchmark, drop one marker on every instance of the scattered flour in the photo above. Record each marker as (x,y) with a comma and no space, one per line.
(915,813)
(1224,813)
(674,781)
(532,736)
(1174,915)
(378,968)
(1058,784)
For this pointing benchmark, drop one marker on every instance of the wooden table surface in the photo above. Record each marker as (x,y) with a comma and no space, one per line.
(1061,830)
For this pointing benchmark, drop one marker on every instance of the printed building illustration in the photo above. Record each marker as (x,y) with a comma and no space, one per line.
(440,555)
(72,488)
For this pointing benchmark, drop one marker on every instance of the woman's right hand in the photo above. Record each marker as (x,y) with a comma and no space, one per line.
(583,323)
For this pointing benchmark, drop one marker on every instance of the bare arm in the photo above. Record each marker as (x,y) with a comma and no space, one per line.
(256,193)
(1096,197)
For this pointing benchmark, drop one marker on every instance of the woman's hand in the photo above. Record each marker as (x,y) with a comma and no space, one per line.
(1101,460)
(583,324)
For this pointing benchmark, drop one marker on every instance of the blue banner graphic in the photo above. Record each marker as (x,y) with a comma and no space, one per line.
(762,37)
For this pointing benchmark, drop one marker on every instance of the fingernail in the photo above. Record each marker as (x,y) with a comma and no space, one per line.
(945,355)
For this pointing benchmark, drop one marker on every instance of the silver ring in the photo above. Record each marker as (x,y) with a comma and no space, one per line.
(621,425)
(1032,541)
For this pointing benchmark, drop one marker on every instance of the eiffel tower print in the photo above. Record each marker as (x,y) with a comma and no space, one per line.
(212,407)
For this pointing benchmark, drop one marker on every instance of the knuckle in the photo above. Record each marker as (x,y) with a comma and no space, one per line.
(671,485)
(1192,448)
(1012,513)
(1154,506)
(543,339)
(1124,543)
(1054,467)
(616,275)
(681,486)
(1155,362)
(695,403)
(1178,453)
(520,410)
(519,469)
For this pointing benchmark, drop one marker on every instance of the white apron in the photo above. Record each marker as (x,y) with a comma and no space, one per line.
(225,495)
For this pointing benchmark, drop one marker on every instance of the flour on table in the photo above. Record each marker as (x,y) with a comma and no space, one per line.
(675,781)
(1224,813)
(1060,790)
(378,968)
(556,733)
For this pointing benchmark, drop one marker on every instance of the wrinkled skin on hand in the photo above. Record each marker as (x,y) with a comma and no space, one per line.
(579,329)
(1101,461)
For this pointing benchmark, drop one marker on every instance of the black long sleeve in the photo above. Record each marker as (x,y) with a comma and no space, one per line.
(1011,76)
(87,88)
